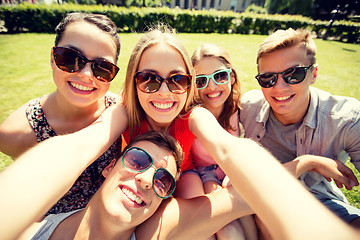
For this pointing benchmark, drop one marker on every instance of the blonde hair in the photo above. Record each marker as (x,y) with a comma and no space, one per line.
(159,34)
(282,39)
(232,103)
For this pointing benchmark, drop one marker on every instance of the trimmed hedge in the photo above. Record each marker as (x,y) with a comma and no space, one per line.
(44,18)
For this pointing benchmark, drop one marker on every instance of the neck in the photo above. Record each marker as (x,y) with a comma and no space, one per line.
(68,110)
(65,117)
(91,224)
(154,126)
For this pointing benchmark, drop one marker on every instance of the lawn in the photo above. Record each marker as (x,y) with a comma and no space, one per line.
(26,72)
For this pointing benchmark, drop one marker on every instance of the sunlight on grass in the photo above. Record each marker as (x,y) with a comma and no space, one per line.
(26,71)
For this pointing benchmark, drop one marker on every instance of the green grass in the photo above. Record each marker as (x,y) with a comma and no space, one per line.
(26,73)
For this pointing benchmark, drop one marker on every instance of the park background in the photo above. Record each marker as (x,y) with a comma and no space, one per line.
(26,73)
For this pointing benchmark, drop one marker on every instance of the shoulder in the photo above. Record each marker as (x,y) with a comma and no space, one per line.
(112,98)
(16,134)
(16,121)
(253,102)
(336,106)
(253,98)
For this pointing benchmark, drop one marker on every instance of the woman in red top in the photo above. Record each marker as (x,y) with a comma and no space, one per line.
(159,94)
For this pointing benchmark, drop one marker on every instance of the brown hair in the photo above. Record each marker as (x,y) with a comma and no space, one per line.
(282,39)
(232,103)
(101,21)
(158,34)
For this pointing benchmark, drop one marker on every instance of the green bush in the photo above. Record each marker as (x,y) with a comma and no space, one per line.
(43,18)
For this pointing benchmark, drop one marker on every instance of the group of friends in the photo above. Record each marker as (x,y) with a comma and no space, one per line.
(180,153)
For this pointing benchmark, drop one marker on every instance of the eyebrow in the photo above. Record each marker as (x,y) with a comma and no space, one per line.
(220,69)
(79,50)
(171,72)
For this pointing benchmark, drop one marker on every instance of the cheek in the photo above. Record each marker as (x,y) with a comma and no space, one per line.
(141,98)
(104,86)
(266,92)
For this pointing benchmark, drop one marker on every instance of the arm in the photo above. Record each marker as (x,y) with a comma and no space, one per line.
(196,218)
(33,183)
(328,168)
(16,135)
(273,193)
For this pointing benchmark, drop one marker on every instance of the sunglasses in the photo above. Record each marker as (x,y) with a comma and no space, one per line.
(138,160)
(219,77)
(71,60)
(293,75)
(149,82)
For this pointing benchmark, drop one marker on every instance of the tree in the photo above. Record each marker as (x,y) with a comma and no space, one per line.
(294,7)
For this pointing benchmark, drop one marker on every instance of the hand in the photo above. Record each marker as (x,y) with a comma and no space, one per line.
(330,169)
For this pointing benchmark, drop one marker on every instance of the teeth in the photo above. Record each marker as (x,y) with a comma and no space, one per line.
(282,98)
(213,95)
(163,105)
(81,87)
(132,196)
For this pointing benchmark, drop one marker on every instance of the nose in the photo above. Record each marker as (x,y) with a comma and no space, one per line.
(280,83)
(164,88)
(86,72)
(145,178)
(211,85)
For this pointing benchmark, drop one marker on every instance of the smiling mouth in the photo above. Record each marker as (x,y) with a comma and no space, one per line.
(163,106)
(214,95)
(284,98)
(132,196)
(81,87)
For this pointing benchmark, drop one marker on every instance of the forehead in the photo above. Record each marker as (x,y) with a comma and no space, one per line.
(89,39)
(163,59)
(208,65)
(282,59)
(161,157)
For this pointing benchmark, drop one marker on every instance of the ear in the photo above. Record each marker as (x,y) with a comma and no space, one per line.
(108,168)
(314,74)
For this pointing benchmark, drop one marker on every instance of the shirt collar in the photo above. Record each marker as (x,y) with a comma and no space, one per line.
(310,118)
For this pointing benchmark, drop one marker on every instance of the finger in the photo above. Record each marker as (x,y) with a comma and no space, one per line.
(339,184)
(349,174)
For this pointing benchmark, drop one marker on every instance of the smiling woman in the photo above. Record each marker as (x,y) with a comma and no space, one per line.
(80,98)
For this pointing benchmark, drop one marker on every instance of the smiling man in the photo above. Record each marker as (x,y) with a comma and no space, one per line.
(311,132)
(135,186)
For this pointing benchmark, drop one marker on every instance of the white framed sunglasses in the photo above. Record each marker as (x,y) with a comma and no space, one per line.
(219,77)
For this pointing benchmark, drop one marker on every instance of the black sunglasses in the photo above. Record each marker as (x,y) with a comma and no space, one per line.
(136,159)
(71,60)
(149,82)
(293,75)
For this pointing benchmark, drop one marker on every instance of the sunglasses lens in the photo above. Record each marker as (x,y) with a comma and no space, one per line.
(104,70)
(201,82)
(178,83)
(221,77)
(147,82)
(136,160)
(68,60)
(163,183)
(266,80)
(295,75)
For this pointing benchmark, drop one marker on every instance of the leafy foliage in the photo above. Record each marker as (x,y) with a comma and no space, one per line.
(43,18)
